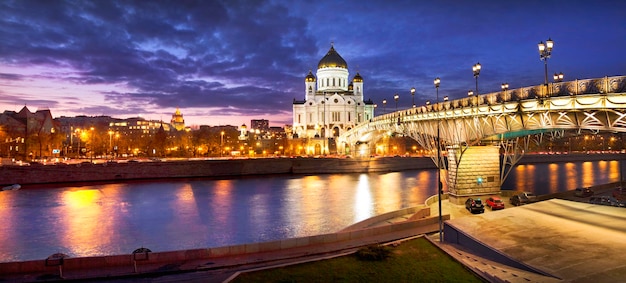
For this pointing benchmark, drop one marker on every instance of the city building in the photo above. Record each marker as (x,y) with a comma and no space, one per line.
(260,124)
(177,120)
(28,135)
(332,105)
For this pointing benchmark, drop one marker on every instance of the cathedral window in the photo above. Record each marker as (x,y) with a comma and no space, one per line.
(349,116)
(358,90)
(299,119)
(327,82)
(310,89)
(333,81)
(336,116)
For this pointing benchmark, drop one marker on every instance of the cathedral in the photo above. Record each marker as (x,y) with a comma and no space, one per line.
(332,105)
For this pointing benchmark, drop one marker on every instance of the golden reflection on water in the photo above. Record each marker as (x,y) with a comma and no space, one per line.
(525,176)
(8,222)
(571,180)
(185,207)
(587,178)
(565,176)
(387,192)
(614,170)
(553,170)
(363,199)
(79,229)
(223,201)
(312,201)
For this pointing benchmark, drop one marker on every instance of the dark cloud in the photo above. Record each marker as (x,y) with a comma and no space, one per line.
(250,57)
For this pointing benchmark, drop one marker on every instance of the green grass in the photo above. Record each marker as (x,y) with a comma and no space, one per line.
(412,261)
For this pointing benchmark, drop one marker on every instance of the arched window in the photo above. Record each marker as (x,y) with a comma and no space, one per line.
(310,89)
(333,81)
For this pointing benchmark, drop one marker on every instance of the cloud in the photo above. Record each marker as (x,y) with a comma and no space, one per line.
(251,56)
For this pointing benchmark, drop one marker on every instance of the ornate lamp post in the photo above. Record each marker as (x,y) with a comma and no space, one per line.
(396,97)
(476,69)
(437,81)
(413,96)
(505,87)
(385,106)
(545,50)
(558,77)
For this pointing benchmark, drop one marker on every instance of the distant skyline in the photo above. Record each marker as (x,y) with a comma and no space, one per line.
(228,62)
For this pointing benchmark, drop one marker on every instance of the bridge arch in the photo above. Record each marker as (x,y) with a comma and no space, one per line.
(509,120)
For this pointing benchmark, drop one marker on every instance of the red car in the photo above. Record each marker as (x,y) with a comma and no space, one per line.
(495,203)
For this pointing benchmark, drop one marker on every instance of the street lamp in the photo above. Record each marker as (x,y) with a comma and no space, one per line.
(505,87)
(221,142)
(437,82)
(476,69)
(545,50)
(385,106)
(91,141)
(413,96)
(396,97)
(558,77)
(110,141)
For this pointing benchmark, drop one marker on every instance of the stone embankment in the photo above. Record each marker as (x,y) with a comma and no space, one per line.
(215,168)
(126,171)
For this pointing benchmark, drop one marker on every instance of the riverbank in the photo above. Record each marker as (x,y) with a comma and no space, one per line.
(123,170)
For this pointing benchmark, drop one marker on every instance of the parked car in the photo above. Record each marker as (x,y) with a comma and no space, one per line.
(516,200)
(495,203)
(530,197)
(583,192)
(607,200)
(522,198)
(474,205)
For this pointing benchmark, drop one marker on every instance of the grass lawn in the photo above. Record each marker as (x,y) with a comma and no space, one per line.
(412,261)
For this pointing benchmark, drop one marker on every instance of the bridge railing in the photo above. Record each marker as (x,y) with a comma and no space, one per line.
(615,84)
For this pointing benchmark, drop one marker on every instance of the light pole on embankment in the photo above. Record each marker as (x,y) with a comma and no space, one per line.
(437,81)
(545,50)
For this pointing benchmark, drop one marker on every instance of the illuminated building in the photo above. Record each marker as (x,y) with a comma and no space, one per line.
(177,120)
(332,104)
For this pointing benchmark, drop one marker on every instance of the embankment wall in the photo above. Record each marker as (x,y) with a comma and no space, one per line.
(124,171)
(126,263)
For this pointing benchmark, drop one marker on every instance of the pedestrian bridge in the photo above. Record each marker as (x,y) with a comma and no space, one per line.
(508,120)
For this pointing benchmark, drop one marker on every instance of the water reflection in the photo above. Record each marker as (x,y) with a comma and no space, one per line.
(185,214)
(560,177)
(363,199)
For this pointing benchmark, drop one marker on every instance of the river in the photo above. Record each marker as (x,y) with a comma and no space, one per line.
(108,219)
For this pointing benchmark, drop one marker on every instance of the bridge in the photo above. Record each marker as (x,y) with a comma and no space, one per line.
(489,133)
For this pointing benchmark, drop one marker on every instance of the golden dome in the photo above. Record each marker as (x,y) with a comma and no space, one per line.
(357,78)
(309,77)
(332,60)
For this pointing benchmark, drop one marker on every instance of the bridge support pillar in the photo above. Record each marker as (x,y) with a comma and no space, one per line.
(473,172)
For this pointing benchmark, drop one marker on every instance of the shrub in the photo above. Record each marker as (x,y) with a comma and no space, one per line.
(373,253)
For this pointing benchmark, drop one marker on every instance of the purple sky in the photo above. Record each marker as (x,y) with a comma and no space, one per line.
(226,62)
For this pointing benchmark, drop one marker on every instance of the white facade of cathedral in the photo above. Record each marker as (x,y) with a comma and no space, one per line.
(333,104)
